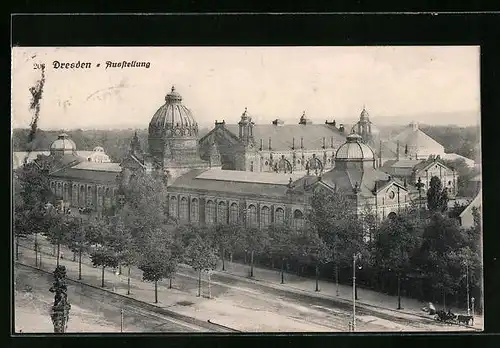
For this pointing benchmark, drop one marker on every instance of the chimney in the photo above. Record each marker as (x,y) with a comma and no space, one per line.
(261,144)
(269,143)
(389,178)
(341,128)
(324,143)
(331,142)
(301,142)
(293,144)
(397,150)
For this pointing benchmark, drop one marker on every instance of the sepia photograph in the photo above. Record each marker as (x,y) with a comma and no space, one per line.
(317,189)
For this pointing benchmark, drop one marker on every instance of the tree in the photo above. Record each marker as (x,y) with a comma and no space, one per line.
(60,227)
(124,245)
(437,196)
(438,256)
(31,192)
(311,249)
(145,203)
(396,242)
(225,237)
(103,253)
(281,244)
(253,239)
(78,242)
(201,255)
(158,256)
(335,219)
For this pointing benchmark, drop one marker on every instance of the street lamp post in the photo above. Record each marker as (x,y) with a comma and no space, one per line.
(472,299)
(467,280)
(121,320)
(355,257)
(36,250)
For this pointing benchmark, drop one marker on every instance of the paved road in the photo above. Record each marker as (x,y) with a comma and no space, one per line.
(109,305)
(336,313)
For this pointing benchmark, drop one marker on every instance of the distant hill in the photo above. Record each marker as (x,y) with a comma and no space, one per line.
(461,140)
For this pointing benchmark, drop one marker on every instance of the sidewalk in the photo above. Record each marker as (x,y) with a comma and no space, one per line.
(265,277)
(329,289)
(223,310)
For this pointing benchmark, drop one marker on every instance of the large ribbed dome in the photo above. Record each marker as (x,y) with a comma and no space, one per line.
(173,118)
(354,149)
(63,145)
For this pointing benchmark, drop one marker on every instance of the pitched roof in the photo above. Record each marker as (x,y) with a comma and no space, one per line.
(282,135)
(420,140)
(476,202)
(405,163)
(232,181)
(87,175)
(347,179)
(102,167)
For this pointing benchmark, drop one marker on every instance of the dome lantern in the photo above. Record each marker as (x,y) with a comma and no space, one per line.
(173,96)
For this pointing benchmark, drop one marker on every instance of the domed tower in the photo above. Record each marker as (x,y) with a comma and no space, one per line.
(173,131)
(173,139)
(246,128)
(63,145)
(354,154)
(365,128)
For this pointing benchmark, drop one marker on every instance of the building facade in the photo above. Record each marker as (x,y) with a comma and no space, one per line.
(248,174)
(276,147)
(411,171)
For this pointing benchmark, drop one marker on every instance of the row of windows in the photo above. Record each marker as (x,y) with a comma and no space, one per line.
(84,196)
(223,214)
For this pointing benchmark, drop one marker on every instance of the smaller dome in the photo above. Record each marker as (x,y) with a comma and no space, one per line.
(63,144)
(245,117)
(354,149)
(98,149)
(364,114)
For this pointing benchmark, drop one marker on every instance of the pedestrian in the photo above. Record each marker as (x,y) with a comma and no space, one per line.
(62,255)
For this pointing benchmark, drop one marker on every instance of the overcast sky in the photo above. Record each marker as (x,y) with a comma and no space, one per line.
(273,82)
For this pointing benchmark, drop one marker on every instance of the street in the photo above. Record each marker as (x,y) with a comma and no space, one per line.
(243,304)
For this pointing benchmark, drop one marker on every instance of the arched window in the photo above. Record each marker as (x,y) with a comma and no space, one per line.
(210,219)
(233,213)
(74,195)
(59,190)
(107,198)
(392,215)
(173,206)
(222,213)
(66,196)
(81,196)
(195,212)
(279,216)
(183,209)
(265,216)
(99,197)
(252,216)
(298,219)
(89,196)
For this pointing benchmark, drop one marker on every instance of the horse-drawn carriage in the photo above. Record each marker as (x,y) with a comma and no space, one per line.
(449,317)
